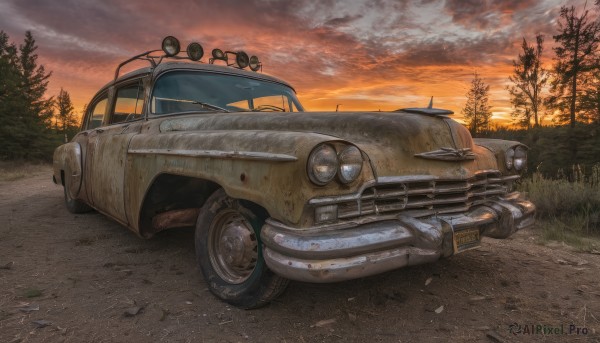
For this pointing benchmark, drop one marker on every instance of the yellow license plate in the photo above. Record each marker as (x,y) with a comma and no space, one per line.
(465,240)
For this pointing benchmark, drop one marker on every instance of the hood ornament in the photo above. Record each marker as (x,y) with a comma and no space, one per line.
(429,110)
(448,154)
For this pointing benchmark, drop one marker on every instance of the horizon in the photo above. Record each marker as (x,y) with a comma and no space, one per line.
(364,56)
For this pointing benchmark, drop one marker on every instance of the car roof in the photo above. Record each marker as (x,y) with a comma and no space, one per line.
(177,65)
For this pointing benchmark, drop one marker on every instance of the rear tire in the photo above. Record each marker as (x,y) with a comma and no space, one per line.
(74,205)
(229,252)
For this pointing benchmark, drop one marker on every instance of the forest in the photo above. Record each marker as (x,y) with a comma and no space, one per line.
(33,123)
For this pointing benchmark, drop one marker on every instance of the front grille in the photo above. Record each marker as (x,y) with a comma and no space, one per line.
(422,198)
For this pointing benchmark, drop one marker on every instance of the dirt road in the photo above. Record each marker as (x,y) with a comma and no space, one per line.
(84,278)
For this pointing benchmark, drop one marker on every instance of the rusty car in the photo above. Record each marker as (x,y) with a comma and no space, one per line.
(276,193)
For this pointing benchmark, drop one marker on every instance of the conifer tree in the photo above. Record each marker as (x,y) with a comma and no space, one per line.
(12,103)
(25,112)
(477,111)
(65,113)
(577,43)
(528,81)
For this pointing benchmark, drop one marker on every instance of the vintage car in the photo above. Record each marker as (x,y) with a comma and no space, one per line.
(276,193)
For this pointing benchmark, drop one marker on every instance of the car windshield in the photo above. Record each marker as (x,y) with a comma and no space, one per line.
(192,91)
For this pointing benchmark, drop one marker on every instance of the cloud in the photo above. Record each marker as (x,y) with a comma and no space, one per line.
(484,14)
(366,54)
(342,21)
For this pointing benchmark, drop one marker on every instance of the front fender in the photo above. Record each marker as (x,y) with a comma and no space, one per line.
(265,167)
(498,147)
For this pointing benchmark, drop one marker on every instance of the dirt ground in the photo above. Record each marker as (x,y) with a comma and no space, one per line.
(84,278)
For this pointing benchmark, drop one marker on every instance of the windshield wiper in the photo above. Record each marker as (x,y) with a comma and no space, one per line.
(268,108)
(211,106)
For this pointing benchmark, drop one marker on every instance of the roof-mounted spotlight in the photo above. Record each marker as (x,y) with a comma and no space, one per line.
(242,59)
(170,45)
(254,63)
(195,51)
(218,54)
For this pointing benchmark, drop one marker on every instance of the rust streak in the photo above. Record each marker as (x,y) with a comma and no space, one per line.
(175,218)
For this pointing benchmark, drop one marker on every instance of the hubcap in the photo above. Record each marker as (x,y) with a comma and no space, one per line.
(233,247)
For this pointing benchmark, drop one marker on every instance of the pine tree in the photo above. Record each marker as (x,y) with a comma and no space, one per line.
(577,43)
(12,103)
(477,110)
(590,98)
(529,79)
(35,82)
(65,113)
(25,113)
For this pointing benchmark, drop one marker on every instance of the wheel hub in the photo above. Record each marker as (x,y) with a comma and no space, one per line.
(237,244)
(234,247)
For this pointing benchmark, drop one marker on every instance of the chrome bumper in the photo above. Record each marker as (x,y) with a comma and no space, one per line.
(321,255)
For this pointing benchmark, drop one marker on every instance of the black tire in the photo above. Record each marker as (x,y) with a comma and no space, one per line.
(229,252)
(74,205)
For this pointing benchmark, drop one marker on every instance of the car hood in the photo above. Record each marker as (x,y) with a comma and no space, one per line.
(392,140)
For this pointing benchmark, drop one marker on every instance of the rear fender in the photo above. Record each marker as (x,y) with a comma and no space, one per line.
(68,167)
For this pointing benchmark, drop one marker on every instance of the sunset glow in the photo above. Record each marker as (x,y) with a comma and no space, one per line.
(360,55)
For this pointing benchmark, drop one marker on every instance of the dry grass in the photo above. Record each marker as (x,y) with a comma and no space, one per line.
(568,211)
(15,170)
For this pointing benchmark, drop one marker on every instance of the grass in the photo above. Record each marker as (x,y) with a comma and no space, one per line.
(570,232)
(15,170)
(568,210)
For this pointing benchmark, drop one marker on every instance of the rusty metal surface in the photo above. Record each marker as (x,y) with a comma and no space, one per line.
(107,149)
(261,157)
(250,155)
(335,270)
(176,218)
(423,176)
(448,154)
(68,168)
(321,255)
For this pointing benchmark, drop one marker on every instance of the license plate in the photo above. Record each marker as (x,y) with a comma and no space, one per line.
(465,240)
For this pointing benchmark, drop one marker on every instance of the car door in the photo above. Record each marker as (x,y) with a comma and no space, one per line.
(108,149)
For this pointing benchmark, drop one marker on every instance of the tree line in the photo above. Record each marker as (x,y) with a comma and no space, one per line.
(32,123)
(569,91)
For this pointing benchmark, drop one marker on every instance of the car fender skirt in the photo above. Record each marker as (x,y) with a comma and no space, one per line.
(330,255)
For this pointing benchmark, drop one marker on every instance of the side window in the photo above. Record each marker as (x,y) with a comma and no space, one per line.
(129,103)
(97,114)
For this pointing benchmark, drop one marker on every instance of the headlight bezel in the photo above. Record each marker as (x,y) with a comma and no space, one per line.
(322,151)
(515,158)
(521,156)
(345,155)
(170,46)
(349,156)
(509,154)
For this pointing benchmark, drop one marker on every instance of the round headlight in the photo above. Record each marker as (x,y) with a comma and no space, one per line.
(520,158)
(322,164)
(170,45)
(508,158)
(195,51)
(254,63)
(242,59)
(350,164)
(218,54)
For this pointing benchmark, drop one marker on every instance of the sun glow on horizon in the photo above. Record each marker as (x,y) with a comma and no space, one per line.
(355,55)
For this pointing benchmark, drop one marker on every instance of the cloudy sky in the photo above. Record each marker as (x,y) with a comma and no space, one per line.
(362,54)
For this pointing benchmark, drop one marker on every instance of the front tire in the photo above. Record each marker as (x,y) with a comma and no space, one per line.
(229,252)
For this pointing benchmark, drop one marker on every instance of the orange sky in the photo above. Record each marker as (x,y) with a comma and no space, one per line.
(363,55)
